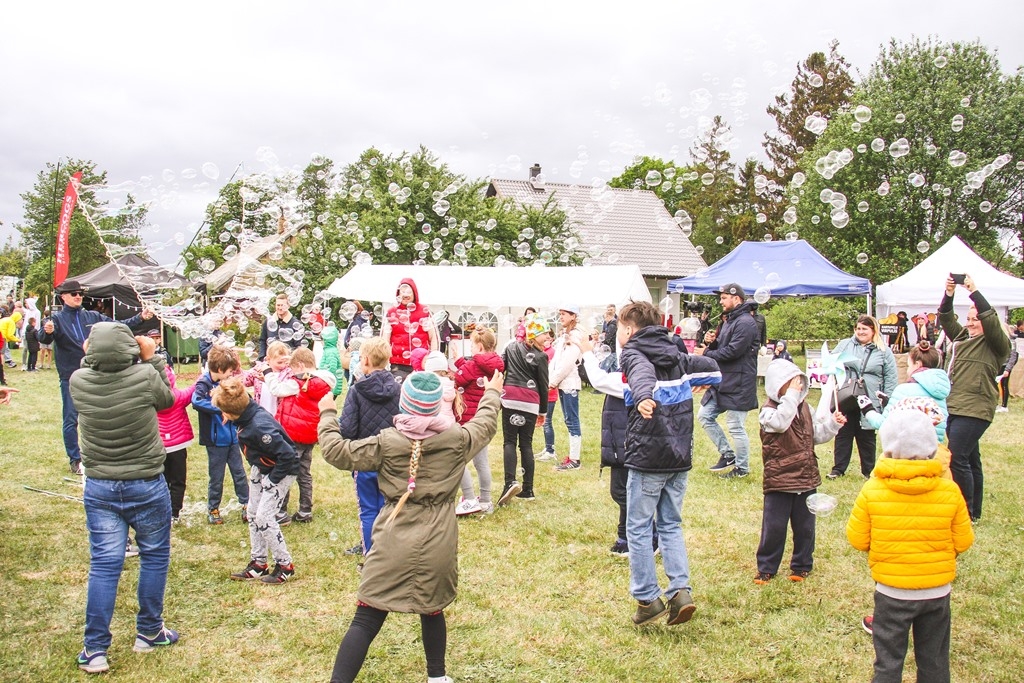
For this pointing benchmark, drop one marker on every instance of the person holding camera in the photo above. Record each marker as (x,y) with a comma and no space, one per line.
(978,353)
(876,365)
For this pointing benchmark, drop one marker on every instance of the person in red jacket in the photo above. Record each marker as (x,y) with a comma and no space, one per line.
(470,376)
(407,326)
(177,435)
(298,413)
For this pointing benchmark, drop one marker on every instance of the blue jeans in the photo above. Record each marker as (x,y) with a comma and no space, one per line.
(734,421)
(70,414)
(549,429)
(111,506)
(232,457)
(651,495)
(570,402)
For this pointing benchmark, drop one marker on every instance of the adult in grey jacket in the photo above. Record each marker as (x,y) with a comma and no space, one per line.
(734,347)
(876,364)
(118,391)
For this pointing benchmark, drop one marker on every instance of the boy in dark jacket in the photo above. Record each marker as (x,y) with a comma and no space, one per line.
(789,433)
(273,469)
(219,437)
(32,344)
(659,448)
(370,406)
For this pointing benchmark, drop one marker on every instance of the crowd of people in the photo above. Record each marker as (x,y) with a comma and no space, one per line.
(415,425)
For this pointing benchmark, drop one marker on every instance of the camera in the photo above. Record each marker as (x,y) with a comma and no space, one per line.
(696,307)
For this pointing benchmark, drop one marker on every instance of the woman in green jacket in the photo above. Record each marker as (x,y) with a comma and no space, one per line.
(979,351)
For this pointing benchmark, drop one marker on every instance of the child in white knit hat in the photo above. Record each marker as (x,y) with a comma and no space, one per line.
(913,524)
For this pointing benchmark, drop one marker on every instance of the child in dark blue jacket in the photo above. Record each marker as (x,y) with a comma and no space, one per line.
(220,439)
(659,446)
(370,406)
(274,466)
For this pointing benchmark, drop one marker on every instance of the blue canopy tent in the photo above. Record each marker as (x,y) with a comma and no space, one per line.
(784,268)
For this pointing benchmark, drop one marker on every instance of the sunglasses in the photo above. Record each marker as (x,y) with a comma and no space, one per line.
(76,293)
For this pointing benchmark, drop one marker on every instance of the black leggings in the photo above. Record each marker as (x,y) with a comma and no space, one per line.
(517,430)
(364,628)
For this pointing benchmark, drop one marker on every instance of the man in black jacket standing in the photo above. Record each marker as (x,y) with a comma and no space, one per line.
(734,346)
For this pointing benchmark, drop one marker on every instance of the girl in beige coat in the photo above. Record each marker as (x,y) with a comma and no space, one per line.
(412,566)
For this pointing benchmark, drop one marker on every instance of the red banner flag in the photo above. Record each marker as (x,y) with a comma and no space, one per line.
(67,207)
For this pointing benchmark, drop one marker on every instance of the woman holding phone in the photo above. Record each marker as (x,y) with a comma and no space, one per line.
(978,353)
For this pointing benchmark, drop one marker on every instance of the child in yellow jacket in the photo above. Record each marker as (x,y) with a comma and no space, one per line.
(913,524)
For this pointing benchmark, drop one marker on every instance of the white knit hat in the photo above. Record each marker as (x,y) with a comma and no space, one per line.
(908,435)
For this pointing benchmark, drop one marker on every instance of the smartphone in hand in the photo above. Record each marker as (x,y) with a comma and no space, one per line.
(957,278)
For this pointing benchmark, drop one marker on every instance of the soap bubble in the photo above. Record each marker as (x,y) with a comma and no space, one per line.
(941,61)
(666,305)
(901,117)
(862,113)
(816,81)
(762,294)
(821,504)
(923,246)
(877,145)
(862,206)
(883,189)
(792,236)
(799,179)
(957,158)
(900,148)
(862,258)
(840,218)
(653,178)
(916,179)
(707,178)
(789,217)
(957,124)
(985,207)
(210,170)
(816,123)
(719,240)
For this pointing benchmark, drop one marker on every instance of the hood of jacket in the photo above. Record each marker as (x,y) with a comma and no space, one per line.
(379,386)
(488,363)
(745,308)
(412,285)
(655,343)
(933,381)
(329,335)
(778,373)
(112,347)
(912,477)
(247,414)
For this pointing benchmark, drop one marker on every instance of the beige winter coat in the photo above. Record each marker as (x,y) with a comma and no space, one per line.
(413,565)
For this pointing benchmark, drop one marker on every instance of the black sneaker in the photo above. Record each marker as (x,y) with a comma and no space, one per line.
(735,473)
(280,574)
(620,548)
(253,570)
(834,474)
(526,495)
(724,463)
(355,550)
(511,490)
(302,517)
(283,518)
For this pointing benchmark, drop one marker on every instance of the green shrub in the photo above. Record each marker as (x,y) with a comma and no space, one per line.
(819,317)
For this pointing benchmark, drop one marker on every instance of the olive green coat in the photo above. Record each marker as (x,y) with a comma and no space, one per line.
(117,400)
(413,564)
(973,364)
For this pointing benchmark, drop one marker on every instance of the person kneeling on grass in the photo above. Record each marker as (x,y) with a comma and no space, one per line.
(412,567)
(659,450)
(274,467)
(118,391)
(789,432)
(913,525)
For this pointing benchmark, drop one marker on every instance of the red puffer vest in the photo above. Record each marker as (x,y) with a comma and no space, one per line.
(402,319)
(300,413)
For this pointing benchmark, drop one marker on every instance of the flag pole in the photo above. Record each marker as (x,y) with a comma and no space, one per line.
(56,183)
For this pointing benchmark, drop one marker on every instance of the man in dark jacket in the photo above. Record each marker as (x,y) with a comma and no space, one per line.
(67,330)
(734,347)
(282,326)
(659,446)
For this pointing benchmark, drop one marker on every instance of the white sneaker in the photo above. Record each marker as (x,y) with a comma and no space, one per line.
(487,508)
(468,506)
(1001,409)
(546,456)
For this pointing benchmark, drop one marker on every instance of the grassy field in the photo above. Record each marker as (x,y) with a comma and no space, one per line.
(540,599)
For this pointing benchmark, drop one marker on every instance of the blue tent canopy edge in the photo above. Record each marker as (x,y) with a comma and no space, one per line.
(786,268)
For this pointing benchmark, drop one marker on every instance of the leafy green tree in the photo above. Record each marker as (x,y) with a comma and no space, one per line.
(925,151)
(13,259)
(812,317)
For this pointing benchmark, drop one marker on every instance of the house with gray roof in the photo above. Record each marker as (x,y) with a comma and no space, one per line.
(620,226)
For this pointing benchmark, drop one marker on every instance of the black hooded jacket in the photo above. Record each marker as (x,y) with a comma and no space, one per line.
(735,350)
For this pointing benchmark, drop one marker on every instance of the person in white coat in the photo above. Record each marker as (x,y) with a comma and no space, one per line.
(564,374)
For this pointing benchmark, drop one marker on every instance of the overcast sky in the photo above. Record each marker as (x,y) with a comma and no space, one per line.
(144,89)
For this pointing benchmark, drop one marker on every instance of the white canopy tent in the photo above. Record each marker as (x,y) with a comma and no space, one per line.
(501,292)
(921,289)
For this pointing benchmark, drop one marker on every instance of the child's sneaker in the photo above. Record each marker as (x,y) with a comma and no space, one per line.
(131,550)
(302,517)
(93,663)
(468,506)
(164,638)
(868,624)
(487,508)
(526,494)
(763,577)
(568,465)
(509,493)
(680,608)
(281,573)
(546,456)
(646,613)
(798,576)
(620,548)
(213,517)
(253,570)
(355,550)
(245,514)
(283,518)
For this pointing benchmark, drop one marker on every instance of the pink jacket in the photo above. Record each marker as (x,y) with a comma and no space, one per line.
(175,427)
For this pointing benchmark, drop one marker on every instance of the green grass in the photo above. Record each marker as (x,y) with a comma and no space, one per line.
(540,597)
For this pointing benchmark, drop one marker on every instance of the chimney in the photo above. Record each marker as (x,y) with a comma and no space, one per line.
(534,172)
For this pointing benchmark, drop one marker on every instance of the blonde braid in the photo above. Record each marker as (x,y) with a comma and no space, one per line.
(414,467)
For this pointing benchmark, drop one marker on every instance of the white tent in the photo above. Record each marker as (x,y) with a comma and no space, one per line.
(503,293)
(921,289)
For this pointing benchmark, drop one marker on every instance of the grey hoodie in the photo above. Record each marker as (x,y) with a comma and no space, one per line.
(779,418)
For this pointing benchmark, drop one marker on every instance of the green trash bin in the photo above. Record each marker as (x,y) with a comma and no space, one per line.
(182,350)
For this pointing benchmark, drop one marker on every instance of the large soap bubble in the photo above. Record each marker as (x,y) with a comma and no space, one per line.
(821,504)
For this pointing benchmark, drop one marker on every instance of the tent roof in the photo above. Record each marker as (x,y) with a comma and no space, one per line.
(494,287)
(107,280)
(222,276)
(922,287)
(800,269)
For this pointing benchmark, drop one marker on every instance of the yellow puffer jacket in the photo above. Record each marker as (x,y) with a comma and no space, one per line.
(912,522)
